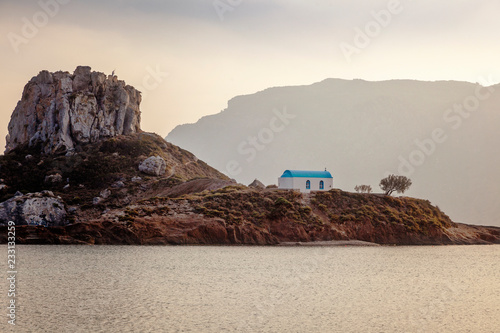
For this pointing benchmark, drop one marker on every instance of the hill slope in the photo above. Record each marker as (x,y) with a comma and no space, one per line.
(241,215)
(443,135)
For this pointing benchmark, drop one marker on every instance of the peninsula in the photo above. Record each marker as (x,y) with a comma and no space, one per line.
(78,169)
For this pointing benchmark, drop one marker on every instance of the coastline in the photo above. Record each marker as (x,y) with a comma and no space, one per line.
(332,243)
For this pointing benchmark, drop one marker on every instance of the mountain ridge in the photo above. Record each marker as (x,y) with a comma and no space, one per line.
(373,123)
(323,82)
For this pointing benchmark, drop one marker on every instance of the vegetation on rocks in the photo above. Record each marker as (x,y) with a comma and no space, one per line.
(85,181)
(97,166)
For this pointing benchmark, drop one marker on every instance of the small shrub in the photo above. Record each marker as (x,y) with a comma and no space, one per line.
(347,217)
(363,188)
(126,218)
(322,207)
(306,210)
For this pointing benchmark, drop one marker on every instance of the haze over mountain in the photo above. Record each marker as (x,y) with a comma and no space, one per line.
(443,135)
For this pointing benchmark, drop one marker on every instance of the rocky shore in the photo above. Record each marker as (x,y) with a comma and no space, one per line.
(79,170)
(237,215)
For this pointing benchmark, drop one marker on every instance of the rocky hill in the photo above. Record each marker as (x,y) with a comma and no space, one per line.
(82,172)
(443,135)
(60,110)
(240,215)
(75,141)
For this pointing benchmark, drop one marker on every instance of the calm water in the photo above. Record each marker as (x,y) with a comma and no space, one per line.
(255,289)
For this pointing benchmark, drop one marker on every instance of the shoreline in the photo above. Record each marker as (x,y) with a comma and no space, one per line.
(332,243)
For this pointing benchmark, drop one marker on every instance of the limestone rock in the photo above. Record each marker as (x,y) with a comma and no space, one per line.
(41,208)
(97,200)
(154,165)
(105,193)
(60,110)
(55,178)
(70,152)
(118,184)
(257,184)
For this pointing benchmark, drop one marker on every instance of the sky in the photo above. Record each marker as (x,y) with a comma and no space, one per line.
(190,57)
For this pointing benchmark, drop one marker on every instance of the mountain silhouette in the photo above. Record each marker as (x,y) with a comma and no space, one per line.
(443,135)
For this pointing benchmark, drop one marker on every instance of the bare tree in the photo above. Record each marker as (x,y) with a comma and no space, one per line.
(395,183)
(363,188)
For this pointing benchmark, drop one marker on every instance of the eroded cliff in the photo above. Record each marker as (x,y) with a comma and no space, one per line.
(61,110)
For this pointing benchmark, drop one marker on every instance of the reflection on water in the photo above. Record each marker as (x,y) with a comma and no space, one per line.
(256,289)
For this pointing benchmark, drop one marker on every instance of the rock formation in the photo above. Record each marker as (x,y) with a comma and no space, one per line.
(154,165)
(257,184)
(42,208)
(59,110)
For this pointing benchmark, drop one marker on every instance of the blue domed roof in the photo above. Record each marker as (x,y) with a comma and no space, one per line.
(306,174)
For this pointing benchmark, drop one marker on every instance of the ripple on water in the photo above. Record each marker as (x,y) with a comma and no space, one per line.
(257,289)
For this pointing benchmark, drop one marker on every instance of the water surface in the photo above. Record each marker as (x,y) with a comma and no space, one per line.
(255,289)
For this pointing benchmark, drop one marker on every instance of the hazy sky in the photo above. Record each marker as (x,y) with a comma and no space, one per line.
(204,52)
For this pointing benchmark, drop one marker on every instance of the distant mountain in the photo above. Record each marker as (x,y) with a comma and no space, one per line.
(443,135)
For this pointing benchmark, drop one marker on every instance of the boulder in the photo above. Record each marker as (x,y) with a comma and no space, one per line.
(118,184)
(257,184)
(154,165)
(60,111)
(105,193)
(55,178)
(41,208)
(97,200)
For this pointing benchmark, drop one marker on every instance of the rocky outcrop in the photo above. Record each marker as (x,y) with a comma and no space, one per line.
(55,178)
(154,165)
(38,209)
(257,184)
(238,215)
(161,231)
(61,110)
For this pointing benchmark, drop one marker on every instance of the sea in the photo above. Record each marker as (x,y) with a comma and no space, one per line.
(253,289)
